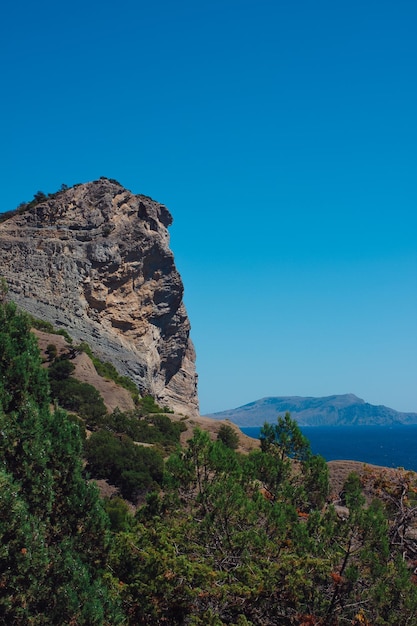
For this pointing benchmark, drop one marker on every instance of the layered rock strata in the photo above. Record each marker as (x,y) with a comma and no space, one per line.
(95,259)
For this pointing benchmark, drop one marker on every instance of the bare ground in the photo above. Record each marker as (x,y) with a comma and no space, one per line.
(112,394)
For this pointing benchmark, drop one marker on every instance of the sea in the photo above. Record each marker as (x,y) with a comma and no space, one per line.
(389,446)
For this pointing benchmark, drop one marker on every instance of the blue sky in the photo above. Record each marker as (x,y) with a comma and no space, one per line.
(282,136)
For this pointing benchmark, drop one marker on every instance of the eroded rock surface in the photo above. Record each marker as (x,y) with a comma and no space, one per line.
(95,260)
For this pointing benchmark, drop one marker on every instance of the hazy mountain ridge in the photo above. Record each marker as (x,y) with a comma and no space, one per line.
(337,410)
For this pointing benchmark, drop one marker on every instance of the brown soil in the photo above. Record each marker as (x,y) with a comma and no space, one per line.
(340,470)
(112,394)
(212,426)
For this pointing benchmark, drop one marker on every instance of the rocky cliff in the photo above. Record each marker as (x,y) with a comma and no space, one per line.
(95,259)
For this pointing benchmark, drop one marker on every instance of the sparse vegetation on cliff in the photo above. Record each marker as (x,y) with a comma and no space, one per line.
(107,370)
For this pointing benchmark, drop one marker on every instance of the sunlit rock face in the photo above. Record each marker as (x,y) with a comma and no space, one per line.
(95,259)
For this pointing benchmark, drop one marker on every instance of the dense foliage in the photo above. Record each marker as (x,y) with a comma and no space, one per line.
(112,451)
(135,469)
(53,530)
(229,539)
(243,540)
(74,395)
(228,436)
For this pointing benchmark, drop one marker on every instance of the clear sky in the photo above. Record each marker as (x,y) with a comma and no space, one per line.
(281,135)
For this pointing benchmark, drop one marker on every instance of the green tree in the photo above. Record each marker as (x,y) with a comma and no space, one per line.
(286,438)
(119,514)
(73,395)
(61,369)
(315,481)
(3,289)
(352,495)
(39,196)
(53,528)
(134,469)
(51,351)
(216,549)
(228,436)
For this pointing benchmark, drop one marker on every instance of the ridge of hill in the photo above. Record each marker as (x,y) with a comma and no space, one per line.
(336,410)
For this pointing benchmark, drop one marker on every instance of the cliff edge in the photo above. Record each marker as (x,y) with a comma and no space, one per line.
(95,260)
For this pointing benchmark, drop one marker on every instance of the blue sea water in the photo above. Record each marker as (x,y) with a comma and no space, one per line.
(389,446)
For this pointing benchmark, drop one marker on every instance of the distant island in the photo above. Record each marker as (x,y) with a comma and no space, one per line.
(337,410)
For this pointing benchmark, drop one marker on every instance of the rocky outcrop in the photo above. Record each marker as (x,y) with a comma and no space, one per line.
(95,259)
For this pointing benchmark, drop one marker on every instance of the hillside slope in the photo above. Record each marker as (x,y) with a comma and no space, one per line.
(115,396)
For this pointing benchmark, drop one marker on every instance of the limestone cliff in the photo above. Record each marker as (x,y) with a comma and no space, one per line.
(95,259)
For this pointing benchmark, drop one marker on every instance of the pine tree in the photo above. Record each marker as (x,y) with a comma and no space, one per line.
(53,529)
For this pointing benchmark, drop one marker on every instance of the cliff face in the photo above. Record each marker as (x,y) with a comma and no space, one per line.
(95,260)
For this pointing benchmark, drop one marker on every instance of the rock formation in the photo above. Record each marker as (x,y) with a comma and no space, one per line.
(95,259)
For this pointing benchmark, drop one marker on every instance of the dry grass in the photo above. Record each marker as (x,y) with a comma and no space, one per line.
(212,426)
(340,470)
(112,394)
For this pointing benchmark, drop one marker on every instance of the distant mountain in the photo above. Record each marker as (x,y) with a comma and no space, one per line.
(340,410)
